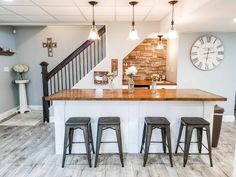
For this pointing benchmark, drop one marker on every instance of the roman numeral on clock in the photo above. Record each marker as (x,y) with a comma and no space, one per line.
(219,59)
(208,39)
(219,46)
(194,53)
(199,65)
(195,60)
(201,40)
(206,66)
(220,53)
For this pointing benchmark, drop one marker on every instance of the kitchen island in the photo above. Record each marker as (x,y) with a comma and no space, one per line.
(131,108)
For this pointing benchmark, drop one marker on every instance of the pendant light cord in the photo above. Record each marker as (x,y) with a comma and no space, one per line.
(173,11)
(133,18)
(93,17)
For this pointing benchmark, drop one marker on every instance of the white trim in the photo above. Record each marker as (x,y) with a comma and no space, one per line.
(8,113)
(36,107)
(228,118)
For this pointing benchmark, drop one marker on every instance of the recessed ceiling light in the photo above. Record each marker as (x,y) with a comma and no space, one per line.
(234,20)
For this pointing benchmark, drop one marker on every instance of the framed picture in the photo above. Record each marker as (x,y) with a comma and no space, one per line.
(100,77)
(114,66)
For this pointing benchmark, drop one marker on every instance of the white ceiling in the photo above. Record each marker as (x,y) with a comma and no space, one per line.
(79,11)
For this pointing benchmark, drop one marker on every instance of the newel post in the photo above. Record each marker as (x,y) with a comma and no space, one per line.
(44,66)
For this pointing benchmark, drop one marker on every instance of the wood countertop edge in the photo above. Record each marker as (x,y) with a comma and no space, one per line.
(135,99)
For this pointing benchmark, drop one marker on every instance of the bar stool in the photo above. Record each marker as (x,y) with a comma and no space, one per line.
(150,124)
(83,123)
(109,123)
(201,125)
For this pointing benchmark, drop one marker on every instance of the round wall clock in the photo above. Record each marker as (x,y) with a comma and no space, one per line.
(207,52)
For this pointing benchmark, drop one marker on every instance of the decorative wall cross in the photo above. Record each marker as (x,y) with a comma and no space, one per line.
(50,45)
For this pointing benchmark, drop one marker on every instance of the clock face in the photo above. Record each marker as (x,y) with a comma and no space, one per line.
(207,53)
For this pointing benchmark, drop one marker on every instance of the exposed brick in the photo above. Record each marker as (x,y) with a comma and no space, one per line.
(147,59)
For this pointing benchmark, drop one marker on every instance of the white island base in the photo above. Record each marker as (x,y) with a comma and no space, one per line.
(132,115)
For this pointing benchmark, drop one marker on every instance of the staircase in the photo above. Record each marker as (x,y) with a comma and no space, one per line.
(72,69)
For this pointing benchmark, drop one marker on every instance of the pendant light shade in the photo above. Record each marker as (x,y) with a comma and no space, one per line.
(159,43)
(93,34)
(133,34)
(172,34)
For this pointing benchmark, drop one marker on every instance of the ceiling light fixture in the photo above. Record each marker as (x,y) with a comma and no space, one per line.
(93,34)
(234,20)
(160,44)
(172,32)
(133,34)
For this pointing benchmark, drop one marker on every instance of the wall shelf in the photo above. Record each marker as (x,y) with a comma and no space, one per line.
(6,53)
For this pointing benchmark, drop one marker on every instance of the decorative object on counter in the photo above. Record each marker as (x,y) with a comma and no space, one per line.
(100,77)
(20,70)
(155,78)
(93,34)
(111,77)
(50,45)
(133,34)
(172,34)
(159,44)
(163,77)
(130,73)
(207,53)
(114,66)
(22,96)
(6,52)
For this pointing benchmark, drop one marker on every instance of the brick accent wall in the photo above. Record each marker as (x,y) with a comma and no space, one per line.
(147,59)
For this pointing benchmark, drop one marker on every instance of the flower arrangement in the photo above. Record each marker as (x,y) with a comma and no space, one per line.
(111,76)
(131,71)
(155,77)
(20,70)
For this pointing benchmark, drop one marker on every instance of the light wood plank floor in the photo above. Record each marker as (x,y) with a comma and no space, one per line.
(28,151)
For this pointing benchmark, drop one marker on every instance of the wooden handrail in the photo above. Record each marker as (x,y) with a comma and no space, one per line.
(74,54)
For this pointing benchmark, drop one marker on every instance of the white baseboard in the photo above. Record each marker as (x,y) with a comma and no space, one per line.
(228,118)
(36,107)
(8,113)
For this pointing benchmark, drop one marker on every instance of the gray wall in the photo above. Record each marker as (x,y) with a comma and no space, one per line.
(221,81)
(8,90)
(30,51)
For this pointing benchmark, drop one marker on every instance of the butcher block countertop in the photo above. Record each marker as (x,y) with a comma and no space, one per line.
(138,95)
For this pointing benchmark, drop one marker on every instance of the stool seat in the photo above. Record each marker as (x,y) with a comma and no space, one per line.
(78,121)
(109,120)
(157,121)
(194,121)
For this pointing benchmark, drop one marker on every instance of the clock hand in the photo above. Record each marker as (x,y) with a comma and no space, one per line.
(207,54)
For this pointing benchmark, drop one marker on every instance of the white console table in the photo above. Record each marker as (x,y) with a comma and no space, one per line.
(22,96)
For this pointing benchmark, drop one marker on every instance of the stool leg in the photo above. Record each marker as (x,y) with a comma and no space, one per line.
(99,137)
(143,138)
(169,144)
(179,137)
(199,139)
(147,143)
(71,133)
(163,135)
(87,144)
(118,136)
(65,146)
(91,137)
(209,144)
(189,131)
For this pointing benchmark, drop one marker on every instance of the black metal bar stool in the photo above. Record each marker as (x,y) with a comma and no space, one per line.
(150,124)
(201,125)
(109,123)
(83,123)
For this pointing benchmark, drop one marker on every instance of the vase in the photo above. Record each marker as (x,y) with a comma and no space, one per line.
(111,85)
(131,85)
(154,86)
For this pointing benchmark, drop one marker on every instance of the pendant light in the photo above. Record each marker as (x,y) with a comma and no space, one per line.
(159,43)
(172,32)
(93,34)
(133,34)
